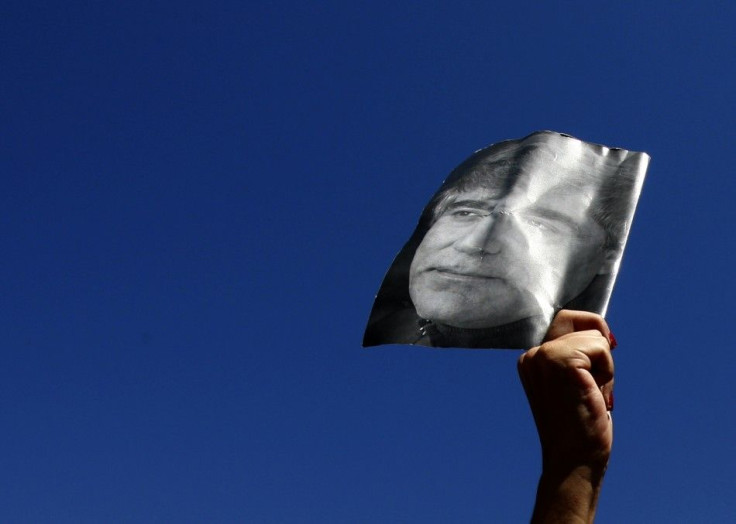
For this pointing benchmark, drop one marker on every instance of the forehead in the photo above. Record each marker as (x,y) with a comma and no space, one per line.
(533,191)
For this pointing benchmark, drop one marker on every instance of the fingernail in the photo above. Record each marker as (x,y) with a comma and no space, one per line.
(612,340)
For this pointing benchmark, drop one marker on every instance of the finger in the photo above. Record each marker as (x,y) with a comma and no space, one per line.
(531,372)
(607,391)
(587,350)
(601,362)
(570,321)
(598,350)
(593,335)
(522,366)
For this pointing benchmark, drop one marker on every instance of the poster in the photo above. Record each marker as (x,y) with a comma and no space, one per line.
(518,231)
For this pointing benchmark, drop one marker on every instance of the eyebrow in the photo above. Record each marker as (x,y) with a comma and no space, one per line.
(488,205)
(475,204)
(555,215)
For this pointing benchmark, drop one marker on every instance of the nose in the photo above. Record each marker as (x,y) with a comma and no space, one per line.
(487,235)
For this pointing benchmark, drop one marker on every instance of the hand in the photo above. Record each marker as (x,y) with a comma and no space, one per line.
(569,384)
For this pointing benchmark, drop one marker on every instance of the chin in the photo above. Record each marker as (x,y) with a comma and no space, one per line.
(467,320)
(482,323)
(474,318)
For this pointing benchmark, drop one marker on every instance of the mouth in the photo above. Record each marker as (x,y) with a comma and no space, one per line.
(460,274)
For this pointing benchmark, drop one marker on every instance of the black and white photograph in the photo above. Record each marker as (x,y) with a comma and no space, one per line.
(518,231)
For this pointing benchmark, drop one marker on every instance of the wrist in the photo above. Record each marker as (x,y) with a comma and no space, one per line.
(568,495)
(590,467)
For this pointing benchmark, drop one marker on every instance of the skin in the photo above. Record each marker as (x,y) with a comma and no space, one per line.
(568,381)
(491,259)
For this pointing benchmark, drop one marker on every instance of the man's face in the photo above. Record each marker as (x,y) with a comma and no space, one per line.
(494,257)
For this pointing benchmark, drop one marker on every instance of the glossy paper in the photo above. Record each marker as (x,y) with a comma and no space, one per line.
(518,231)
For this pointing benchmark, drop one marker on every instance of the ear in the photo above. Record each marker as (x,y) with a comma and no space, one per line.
(611,260)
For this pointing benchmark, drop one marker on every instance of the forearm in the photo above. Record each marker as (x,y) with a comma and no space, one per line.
(569,381)
(568,497)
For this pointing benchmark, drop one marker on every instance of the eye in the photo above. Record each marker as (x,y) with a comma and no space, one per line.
(467,214)
(542,225)
(536,223)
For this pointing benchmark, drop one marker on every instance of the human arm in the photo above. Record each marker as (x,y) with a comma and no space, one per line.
(569,384)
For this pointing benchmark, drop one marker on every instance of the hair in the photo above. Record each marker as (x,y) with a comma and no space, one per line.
(497,168)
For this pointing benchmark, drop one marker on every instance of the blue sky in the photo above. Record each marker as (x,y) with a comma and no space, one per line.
(199,203)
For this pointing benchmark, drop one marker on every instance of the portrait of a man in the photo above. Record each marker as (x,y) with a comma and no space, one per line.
(518,231)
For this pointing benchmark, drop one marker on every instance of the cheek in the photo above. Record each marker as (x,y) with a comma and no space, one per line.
(562,259)
(422,258)
(583,262)
(435,239)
